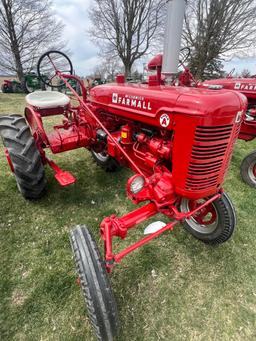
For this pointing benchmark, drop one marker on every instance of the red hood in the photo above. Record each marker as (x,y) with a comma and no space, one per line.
(247,86)
(148,103)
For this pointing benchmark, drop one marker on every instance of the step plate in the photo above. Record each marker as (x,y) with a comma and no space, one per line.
(65,178)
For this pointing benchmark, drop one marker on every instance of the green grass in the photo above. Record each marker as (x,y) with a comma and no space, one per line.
(175,288)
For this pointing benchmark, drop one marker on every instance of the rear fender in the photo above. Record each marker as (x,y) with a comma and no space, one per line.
(36,125)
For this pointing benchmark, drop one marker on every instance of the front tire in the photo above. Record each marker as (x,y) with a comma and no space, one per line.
(23,155)
(95,285)
(214,224)
(248,169)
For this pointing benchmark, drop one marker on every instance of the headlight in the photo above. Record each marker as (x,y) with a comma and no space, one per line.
(137,184)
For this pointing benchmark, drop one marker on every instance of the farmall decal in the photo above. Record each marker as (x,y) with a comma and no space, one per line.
(241,86)
(132,101)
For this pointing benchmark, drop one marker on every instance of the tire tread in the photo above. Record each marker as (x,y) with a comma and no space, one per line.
(25,157)
(101,309)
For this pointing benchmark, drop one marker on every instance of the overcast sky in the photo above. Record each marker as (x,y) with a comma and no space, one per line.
(74,14)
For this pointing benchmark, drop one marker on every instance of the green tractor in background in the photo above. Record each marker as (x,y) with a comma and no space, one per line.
(32,83)
(98,81)
(74,84)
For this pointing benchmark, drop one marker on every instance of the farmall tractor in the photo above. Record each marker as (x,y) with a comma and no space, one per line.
(178,141)
(246,86)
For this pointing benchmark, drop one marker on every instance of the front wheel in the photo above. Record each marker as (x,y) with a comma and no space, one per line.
(248,169)
(95,285)
(214,224)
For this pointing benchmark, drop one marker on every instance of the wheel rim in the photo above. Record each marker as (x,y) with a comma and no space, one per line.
(252,171)
(103,156)
(205,221)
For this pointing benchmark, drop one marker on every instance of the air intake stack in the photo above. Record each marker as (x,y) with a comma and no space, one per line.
(173,33)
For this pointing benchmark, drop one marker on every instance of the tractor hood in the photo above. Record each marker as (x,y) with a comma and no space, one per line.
(246,86)
(148,104)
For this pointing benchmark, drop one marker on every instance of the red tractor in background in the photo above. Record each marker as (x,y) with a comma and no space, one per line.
(11,86)
(178,141)
(246,86)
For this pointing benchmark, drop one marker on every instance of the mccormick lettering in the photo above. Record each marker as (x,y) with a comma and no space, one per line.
(132,101)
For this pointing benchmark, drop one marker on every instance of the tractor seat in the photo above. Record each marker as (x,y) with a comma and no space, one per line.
(47,99)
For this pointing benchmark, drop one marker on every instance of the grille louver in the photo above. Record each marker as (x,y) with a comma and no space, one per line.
(208,155)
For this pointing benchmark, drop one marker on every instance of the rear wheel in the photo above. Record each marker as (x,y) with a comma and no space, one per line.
(94,283)
(248,169)
(23,156)
(29,89)
(214,224)
(5,88)
(105,161)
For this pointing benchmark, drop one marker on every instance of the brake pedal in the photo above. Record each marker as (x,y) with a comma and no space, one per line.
(65,178)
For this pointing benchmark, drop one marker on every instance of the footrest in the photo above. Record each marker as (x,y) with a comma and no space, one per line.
(65,178)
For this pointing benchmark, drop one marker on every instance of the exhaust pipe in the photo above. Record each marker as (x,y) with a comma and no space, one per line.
(173,33)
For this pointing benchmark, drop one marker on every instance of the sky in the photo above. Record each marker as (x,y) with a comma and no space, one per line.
(74,14)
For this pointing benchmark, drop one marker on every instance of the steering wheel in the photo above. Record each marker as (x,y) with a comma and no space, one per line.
(184,55)
(48,65)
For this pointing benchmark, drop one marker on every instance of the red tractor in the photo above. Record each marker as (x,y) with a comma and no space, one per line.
(9,86)
(178,141)
(246,86)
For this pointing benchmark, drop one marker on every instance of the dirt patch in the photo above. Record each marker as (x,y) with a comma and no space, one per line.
(18,298)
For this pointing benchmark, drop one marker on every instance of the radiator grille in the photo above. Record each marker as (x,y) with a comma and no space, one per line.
(209,155)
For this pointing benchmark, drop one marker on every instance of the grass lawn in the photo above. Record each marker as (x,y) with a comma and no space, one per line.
(175,288)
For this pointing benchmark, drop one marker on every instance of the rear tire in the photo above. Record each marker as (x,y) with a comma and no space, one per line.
(95,285)
(248,169)
(215,225)
(28,89)
(4,89)
(106,162)
(24,156)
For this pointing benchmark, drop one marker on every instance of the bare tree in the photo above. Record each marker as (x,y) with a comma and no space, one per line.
(126,28)
(108,68)
(27,27)
(218,28)
(245,73)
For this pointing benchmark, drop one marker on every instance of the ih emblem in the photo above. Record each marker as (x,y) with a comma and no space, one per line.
(164,120)
(114,98)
